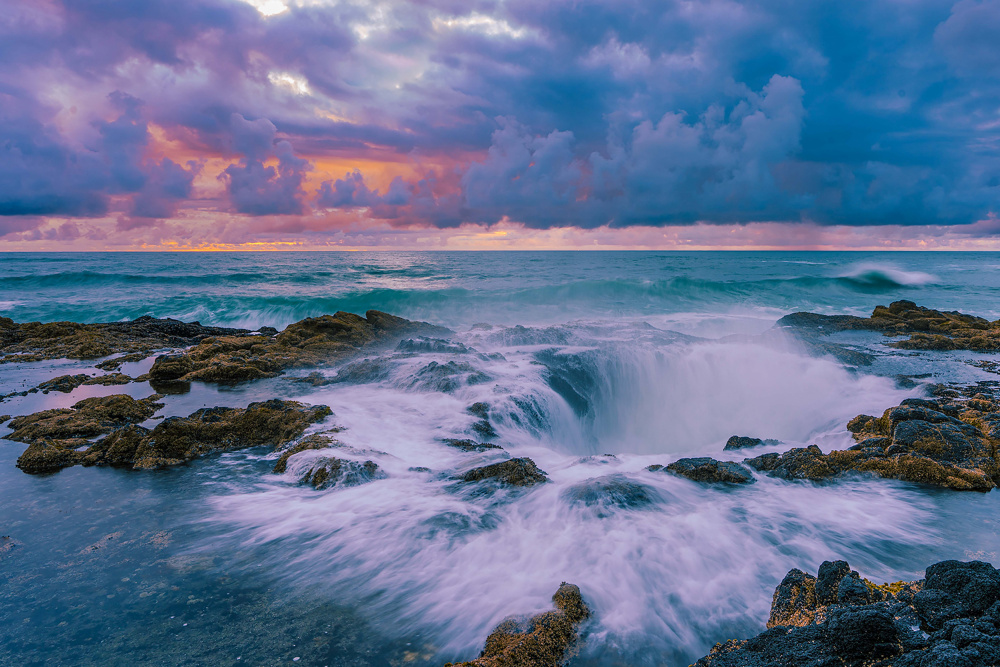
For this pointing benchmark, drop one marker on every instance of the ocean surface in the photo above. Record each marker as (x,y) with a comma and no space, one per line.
(645,356)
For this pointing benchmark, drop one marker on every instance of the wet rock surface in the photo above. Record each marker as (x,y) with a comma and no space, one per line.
(36,341)
(86,419)
(314,341)
(949,441)
(513,472)
(58,438)
(706,469)
(951,617)
(610,492)
(928,329)
(544,640)
(330,471)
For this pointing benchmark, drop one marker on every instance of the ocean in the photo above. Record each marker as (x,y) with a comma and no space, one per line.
(595,365)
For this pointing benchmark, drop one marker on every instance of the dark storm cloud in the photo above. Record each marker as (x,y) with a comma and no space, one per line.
(585,113)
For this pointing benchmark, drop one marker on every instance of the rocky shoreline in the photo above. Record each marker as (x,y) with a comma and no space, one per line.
(950,618)
(948,439)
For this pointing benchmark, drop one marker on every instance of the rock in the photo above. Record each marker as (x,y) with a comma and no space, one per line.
(798,463)
(312,442)
(513,472)
(949,618)
(483,427)
(328,471)
(35,341)
(314,341)
(928,329)
(447,377)
(86,419)
(46,456)
(610,492)
(470,445)
(173,441)
(424,345)
(944,442)
(705,469)
(4,418)
(63,383)
(742,442)
(544,640)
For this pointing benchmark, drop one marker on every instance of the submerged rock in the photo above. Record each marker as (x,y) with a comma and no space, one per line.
(951,617)
(513,472)
(610,491)
(705,469)
(470,445)
(328,471)
(544,640)
(36,341)
(928,329)
(311,442)
(314,341)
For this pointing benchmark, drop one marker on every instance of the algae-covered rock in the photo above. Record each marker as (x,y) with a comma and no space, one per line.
(928,329)
(178,439)
(328,471)
(706,469)
(513,472)
(544,640)
(86,419)
(315,441)
(55,435)
(797,463)
(35,341)
(45,456)
(314,341)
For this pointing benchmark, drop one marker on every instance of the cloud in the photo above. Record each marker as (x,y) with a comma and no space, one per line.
(257,189)
(545,113)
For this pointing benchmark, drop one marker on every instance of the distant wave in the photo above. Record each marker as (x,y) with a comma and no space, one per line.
(883,276)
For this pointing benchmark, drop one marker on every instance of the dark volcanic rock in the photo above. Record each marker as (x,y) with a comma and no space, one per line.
(544,640)
(314,341)
(513,472)
(950,618)
(705,469)
(742,442)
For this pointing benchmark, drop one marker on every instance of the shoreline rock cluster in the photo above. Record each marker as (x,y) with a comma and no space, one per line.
(61,438)
(312,342)
(950,618)
(38,341)
(544,640)
(928,329)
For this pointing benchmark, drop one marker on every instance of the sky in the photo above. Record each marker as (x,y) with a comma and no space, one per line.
(298,124)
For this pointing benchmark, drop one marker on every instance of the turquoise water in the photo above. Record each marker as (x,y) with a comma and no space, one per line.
(578,355)
(275,289)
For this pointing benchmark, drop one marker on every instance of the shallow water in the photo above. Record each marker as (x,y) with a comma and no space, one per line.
(579,355)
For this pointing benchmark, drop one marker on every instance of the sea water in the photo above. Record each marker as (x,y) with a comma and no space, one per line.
(595,365)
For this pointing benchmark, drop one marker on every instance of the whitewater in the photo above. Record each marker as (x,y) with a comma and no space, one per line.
(594,365)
